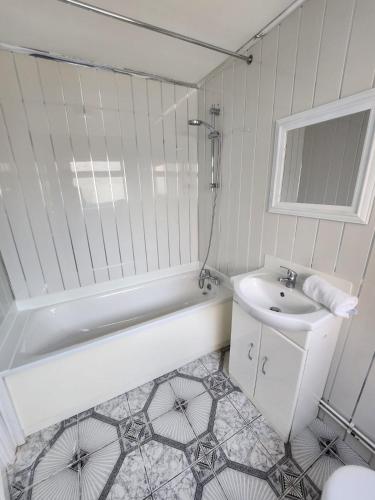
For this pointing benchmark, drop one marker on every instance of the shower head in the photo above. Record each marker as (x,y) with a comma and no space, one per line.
(196,123)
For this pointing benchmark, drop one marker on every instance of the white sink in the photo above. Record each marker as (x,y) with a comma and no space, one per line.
(272,303)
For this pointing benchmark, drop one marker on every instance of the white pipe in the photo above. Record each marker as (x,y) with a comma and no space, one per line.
(347,425)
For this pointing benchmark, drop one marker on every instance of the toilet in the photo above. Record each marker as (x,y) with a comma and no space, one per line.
(350,482)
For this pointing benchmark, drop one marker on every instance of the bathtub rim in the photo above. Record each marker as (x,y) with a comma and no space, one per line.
(224,297)
(88,291)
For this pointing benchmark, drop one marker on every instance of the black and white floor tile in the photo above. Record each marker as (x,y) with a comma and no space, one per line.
(319,450)
(188,435)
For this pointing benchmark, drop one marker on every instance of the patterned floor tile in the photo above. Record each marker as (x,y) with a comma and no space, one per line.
(306,448)
(302,489)
(185,388)
(166,377)
(206,457)
(62,452)
(28,453)
(58,454)
(244,448)
(137,398)
(96,432)
(198,412)
(213,491)
(337,447)
(182,487)
(218,385)
(61,486)
(322,431)
(227,420)
(244,406)
(135,430)
(346,454)
(194,369)
(322,469)
(98,471)
(285,480)
(174,426)
(269,438)
(239,486)
(162,401)
(180,409)
(190,434)
(131,481)
(212,361)
(85,479)
(319,450)
(162,462)
(116,408)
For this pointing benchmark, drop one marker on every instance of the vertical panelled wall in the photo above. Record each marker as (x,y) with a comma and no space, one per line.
(321,52)
(6,296)
(98,175)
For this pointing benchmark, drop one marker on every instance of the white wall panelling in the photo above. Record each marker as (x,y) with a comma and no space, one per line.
(99,175)
(320,53)
(6,295)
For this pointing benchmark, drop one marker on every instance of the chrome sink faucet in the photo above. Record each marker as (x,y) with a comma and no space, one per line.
(290,279)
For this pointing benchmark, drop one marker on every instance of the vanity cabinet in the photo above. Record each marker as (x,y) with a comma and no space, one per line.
(282,373)
(280,369)
(245,346)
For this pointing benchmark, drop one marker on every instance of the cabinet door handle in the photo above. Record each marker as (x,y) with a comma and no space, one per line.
(265,359)
(249,353)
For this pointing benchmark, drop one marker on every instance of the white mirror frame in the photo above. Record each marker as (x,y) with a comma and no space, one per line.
(359,211)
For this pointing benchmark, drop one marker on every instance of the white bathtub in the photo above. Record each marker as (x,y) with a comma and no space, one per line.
(65,325)
(65,358)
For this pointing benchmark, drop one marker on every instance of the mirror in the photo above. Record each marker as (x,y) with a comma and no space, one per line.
(323,161)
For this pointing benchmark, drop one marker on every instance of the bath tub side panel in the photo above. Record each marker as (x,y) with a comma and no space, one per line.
(48,392)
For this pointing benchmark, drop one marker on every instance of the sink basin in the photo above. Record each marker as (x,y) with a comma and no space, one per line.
(272,303)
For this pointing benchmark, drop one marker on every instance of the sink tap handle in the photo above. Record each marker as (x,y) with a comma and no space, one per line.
(290,273)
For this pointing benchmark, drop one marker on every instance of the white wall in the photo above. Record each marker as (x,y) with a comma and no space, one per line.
(98,175)
(321,52)
(6,296)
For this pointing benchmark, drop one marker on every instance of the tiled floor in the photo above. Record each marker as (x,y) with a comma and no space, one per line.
(190,434)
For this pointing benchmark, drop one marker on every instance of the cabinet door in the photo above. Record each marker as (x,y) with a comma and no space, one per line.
(279,376)
(244,349)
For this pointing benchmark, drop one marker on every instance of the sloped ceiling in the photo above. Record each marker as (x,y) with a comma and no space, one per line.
(65,29)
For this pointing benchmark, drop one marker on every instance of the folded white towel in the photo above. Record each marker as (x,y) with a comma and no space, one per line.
(337,301)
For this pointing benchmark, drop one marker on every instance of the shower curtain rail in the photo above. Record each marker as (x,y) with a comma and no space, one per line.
(43,54)
(157,29)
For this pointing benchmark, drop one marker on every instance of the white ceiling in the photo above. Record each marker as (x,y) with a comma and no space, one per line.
(57,27)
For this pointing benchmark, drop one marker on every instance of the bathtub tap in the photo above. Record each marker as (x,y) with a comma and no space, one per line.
(204,275)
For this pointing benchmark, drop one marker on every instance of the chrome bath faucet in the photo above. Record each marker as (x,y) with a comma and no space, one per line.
(204,275)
